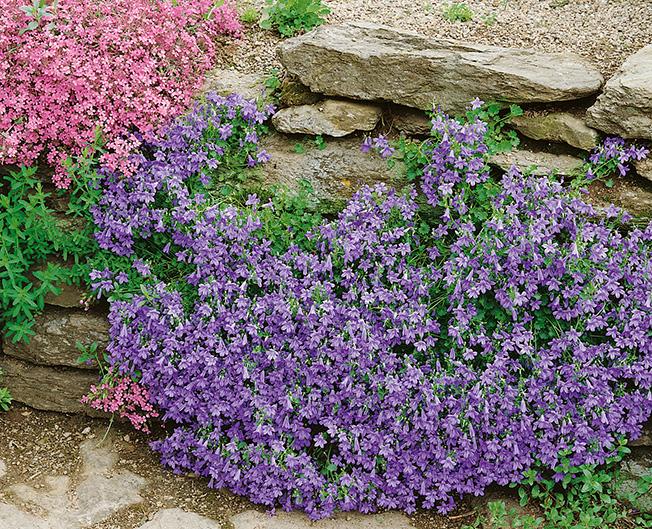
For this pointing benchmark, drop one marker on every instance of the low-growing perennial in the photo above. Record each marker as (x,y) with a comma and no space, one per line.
(383,358)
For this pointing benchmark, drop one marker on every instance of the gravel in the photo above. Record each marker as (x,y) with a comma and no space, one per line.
(605,32)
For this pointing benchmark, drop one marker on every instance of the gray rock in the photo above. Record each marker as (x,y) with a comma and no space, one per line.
(335,173)
(3,469)
(625,105)
(177,519)
(646,436)
(332,117)
(544,162)
(225,81)
(57,332)
(99,492)
(560,127)
(13,518)
(48,388)
(635,467)
(644,168)
(367,61)
(633,195)
(411,121)
(294,520)
(103,491)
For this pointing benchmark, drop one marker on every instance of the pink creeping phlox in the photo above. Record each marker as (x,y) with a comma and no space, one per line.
(124,396)
(120,65)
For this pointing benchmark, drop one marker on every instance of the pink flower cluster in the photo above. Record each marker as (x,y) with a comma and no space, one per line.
(125,397)
(121,65)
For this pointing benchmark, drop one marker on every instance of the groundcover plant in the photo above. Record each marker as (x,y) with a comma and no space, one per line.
(399,354)
(71,67)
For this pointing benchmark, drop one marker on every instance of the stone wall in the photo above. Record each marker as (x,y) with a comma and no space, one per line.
(347,80)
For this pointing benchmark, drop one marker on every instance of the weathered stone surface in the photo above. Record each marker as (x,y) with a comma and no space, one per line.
(57,331)
(646,437)
(13,518)
(411,121)
(103,491)
(63,503)
(225,81)
(545,162)
(3,469)
(625,105)
(633,195)
(48,388)
(561,127)
(334,173)
(368,61)
(293,93)
(178,519)
(635,467)
(644,168)
(294,520)
(332,117)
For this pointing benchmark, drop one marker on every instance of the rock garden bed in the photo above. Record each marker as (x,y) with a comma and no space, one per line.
(309,292)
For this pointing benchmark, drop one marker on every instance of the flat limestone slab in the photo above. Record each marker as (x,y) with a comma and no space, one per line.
(179,519)
(334,172)
(332,117)
(294,520)
(545,162)
(368,61)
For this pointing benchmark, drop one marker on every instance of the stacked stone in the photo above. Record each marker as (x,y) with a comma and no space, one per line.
(348,78)
(45,373)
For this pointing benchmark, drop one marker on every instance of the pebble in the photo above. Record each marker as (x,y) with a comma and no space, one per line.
(86,430)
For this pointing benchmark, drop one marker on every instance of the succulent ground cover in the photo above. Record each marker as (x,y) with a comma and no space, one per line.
(415,348)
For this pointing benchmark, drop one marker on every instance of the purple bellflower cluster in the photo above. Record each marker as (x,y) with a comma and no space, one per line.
(378,364)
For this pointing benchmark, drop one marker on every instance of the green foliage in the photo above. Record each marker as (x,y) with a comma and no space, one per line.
(458,12)
(502,517)
(497,116)
(272,84)
(320,142)
(290,17)
(250,16)
(586,497)
(39,11)
(29,233)
(5,397)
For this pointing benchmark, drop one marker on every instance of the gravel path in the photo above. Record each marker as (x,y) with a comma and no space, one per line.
(605,32)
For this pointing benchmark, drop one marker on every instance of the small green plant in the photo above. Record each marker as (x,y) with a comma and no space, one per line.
(29,233)
(290,17)
(320,142)
(272,84)
(5,397)
(458,12)
(39,11)
(586,497)
(250,16)
(501,517)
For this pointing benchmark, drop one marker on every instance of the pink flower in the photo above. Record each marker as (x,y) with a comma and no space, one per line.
(122,65)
